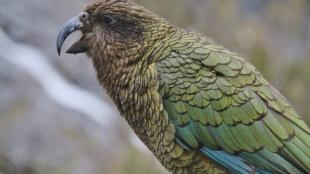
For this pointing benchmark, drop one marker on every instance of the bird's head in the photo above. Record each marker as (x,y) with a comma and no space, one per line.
(113,29)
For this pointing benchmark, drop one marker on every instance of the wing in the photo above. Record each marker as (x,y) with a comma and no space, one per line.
(222,106)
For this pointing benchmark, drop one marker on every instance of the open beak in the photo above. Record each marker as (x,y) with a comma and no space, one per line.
(72,25)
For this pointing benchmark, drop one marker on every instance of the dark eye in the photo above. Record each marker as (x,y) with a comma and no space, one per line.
(109,20)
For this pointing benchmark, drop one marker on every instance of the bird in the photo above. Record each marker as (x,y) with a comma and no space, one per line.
(198,107)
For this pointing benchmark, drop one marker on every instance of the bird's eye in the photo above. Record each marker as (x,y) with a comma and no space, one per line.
(110,20)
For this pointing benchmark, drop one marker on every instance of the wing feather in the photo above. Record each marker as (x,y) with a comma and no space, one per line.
(220,102)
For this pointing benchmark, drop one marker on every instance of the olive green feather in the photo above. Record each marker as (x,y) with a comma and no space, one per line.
(197,106)
(219,101)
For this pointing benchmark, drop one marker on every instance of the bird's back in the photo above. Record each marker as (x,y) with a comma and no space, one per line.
(222,106)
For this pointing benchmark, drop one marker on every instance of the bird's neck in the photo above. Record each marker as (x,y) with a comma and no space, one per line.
(132,88)
(127,81)
(116,69)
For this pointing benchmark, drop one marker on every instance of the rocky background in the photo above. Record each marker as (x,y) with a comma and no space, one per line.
(55,119)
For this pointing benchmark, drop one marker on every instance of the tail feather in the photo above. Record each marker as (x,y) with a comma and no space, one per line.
(299,153)
(233,164)
(271,161)
(262,162)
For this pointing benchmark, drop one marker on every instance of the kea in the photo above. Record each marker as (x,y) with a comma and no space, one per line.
(197,106)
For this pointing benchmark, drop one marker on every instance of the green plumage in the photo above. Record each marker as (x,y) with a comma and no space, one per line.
(198,107)
(219,100)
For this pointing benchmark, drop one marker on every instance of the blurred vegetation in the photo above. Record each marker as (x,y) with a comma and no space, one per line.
(273,34)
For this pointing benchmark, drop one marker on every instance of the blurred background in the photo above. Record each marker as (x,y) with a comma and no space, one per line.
(54,117)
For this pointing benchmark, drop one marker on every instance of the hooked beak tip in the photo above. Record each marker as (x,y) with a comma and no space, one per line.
(59,50)
(69,27)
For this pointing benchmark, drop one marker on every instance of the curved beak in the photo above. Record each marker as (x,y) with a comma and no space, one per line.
(72,25)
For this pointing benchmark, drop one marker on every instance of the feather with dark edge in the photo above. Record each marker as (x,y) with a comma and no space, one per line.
(197,106)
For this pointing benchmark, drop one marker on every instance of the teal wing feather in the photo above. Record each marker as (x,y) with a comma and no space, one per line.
(220,104)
